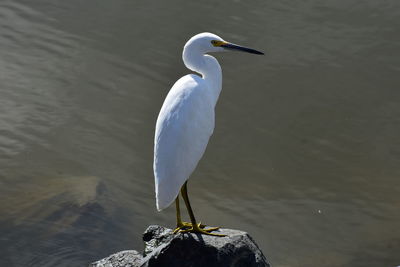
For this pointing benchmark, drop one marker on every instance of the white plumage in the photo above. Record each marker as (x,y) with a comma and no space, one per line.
(186,119)
(185,123)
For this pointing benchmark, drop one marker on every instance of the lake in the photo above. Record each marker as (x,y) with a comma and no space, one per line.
(305,155)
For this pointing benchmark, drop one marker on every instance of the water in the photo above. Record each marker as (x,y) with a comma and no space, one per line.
(305,156)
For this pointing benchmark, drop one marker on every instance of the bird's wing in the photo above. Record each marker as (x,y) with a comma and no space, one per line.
(184,126)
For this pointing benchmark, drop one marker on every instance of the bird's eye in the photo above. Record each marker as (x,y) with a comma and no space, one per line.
(214,42)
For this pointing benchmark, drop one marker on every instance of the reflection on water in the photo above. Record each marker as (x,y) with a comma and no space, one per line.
(305,155)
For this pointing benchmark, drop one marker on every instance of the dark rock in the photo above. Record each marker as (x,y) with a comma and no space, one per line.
(163,248)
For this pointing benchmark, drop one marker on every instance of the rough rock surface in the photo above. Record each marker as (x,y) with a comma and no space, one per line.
(163,248)
(126,258)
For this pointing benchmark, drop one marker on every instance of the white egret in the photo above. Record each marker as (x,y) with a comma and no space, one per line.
(185,124)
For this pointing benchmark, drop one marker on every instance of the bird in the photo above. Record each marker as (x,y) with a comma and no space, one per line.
(185,124)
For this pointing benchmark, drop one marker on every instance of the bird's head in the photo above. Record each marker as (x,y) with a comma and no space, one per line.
(208,42)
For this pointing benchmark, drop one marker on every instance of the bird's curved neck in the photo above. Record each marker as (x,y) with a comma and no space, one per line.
(207,66)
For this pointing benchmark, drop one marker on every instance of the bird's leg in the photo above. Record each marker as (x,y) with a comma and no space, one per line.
(187,203)
(178,213)
(195,227)
(180,225)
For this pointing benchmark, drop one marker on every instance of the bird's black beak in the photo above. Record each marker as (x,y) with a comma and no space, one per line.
(241,48)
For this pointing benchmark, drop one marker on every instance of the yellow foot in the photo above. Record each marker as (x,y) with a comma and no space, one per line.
(187,225)
(197,228)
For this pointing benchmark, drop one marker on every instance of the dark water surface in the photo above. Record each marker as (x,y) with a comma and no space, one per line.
(305,155)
